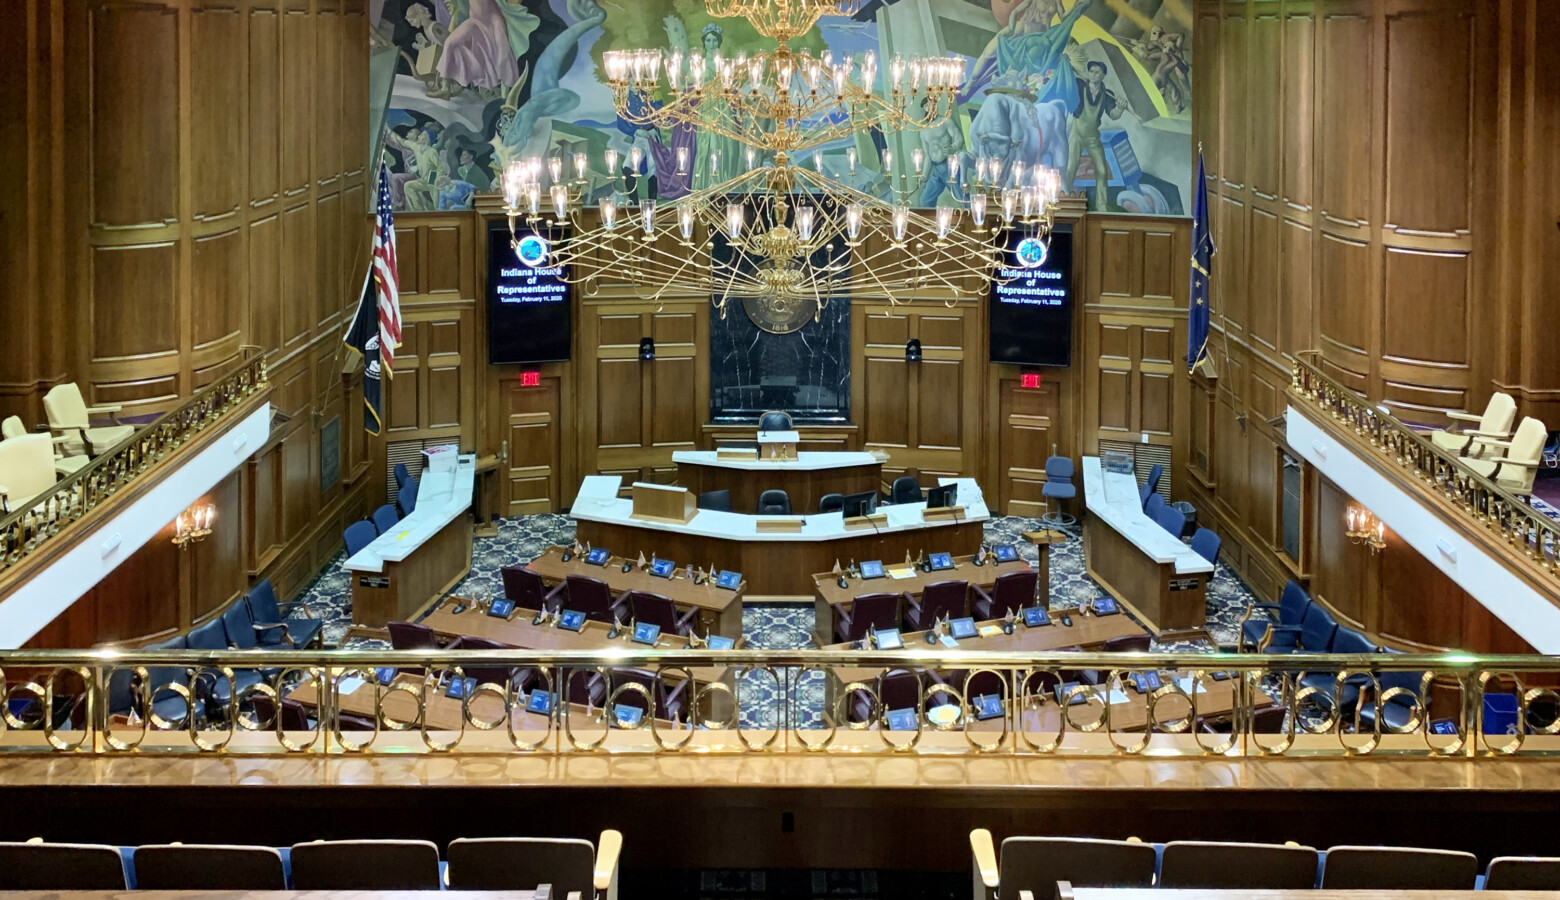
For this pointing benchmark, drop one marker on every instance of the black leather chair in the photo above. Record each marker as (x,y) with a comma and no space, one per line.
(1233,866)
(520,864)
(654,609)
(593,597)
(1012,592)
(831,503)
(906,489)
(1036,864)
(938,599)
(868,612)
(61,867)
(1352,868)
(208,867)
(365,866)
(273,623)
(774,503)
(1523,873)
(719,501)
(1289,610)
(528,590)
(775,420)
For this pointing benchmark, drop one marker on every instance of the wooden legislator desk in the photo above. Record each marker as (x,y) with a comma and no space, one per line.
(1143,566)
(775,563)
(422,557)
(720,610)
(805,479)
(829,597)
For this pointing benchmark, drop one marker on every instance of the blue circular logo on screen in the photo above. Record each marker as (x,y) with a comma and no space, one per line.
(532,250)
(1031,252)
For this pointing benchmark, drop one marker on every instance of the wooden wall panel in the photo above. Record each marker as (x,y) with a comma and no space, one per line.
(203,207)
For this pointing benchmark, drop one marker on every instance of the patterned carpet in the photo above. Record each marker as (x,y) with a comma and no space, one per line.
(771,626)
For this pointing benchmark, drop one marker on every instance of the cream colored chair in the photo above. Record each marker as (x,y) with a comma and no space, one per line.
(1515,470)
(12,427)
(1499,413)
(27,469)
(69,416)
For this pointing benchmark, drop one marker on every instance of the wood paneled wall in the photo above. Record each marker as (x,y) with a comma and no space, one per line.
(188,177)
(1377,196)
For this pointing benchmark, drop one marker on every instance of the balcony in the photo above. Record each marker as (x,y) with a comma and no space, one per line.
(71,536)
(1491,543)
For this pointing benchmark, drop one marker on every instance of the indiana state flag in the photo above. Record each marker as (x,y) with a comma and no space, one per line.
(363,336)
(1202,266)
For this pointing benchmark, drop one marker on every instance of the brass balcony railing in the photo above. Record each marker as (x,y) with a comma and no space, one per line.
(108,703)
(1504,515)
(24,531)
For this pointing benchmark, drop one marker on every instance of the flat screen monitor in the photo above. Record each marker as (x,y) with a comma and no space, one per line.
(863,504)
(1031,300)
(529,304)
(942,496)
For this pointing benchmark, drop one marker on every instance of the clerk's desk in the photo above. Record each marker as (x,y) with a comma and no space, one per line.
(425,555)
(805,479)
(775,563)
(1143,566)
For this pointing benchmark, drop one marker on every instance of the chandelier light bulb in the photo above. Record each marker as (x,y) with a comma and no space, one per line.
(533,198)
(608,212)
(635,157)
(612,162)
(555,167)
(752,158)
(804,222)
(896,73)
(888,163)
(817,156)
(980,170)
(682,160)
(1027,198)
(853,221)
(685,219)
(1009,201)
(850,157)
(734,215)
(841,74)
(944,220)
(915,75)
(696,70)
(560,199)
(514,178)
(647,216)
(978,209)
(953,168)
(814,76)
(901,222)
(674,69)
(916,159)
(579,165)
(1018,171)
(868,71)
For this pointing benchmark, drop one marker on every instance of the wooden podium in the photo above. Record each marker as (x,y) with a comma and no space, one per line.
(663,503)
(778,445)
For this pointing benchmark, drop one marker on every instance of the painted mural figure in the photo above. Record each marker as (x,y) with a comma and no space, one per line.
(1029,45)
(477,53)
(1095,102)
(1163,52)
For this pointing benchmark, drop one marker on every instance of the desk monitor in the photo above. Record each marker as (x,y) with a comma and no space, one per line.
(942,496)
(721,642)
(862,504)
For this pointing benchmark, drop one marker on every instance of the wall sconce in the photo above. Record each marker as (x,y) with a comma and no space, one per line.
(913,350)
(192,525)
(1365,528)
(647,348)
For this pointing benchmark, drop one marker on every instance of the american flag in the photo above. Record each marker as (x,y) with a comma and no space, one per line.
(387,282)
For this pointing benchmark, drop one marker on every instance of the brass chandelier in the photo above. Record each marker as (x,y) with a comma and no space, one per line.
(768,230)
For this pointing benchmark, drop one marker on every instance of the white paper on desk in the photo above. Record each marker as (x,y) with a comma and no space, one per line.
(1117,697)
(349,685)
(1186,685)
(948,641)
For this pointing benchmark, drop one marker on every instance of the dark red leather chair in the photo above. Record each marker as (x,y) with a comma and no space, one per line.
(593,597)
(938,599)
(867,612)
(655,609)
(412,636)
(499,675)
(528,590)
(1012,592)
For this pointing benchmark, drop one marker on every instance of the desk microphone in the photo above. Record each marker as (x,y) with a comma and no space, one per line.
(568,554)
(842,582)
(628,565)
(1067,620)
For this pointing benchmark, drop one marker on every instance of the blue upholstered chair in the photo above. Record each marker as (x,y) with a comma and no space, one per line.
(165,703)
(1058,486)
(385,518)
(359,535)
(906,489)
(406,497)
(271,620)
(1152,484)
(774,503)
(1345,640)
(1206,543)
(1153,506)
(1289,610)
(211,683)
(1170,519)
(1314,634)
(402,474)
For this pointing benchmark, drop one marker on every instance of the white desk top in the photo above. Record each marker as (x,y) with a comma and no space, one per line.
(1112,497)
(597,501)
(441,496)
(805,461)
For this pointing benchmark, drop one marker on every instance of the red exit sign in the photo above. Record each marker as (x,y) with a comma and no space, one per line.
(1029,380)
(530,379)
